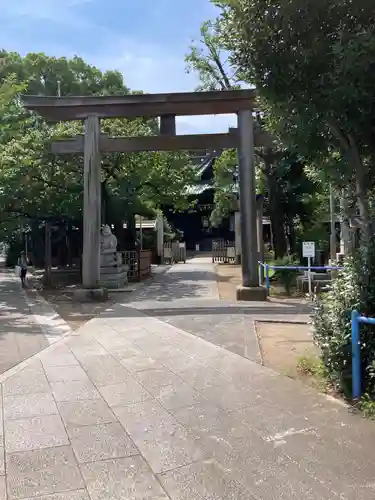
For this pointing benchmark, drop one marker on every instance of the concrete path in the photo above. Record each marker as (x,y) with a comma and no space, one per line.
(186,296)
(131,407)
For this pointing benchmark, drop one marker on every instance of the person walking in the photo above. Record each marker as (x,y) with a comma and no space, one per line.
(22,262)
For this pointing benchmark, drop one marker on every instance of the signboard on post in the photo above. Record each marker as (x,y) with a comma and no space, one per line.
(308,250)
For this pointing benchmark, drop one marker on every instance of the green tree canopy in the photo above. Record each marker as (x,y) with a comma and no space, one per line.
(37,184)
(312,64)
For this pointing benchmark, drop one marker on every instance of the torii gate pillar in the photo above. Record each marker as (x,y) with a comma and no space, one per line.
(91,204)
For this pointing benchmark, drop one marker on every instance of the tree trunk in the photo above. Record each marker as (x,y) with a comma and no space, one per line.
(276,216)
(291,235)
(363,205)
(131,232)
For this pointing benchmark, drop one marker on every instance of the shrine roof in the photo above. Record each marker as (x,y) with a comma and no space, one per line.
(141,105)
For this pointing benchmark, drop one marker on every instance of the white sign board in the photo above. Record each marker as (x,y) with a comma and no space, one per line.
(308,249)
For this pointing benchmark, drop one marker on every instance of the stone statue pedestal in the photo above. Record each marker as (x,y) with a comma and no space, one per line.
(113,272)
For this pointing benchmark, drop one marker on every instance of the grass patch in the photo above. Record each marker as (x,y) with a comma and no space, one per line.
(366,405)
(313,368)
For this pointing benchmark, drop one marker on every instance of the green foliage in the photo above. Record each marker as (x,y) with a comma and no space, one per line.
(311,366)
(280,175)
(210,61)
(367,406)
(35,184)
(354,288)
(287,277)
(312,64)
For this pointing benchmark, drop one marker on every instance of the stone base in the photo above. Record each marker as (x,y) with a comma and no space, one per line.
(251,294)
(90,295)
(113,281)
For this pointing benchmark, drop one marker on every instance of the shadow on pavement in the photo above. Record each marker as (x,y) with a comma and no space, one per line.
(20,335)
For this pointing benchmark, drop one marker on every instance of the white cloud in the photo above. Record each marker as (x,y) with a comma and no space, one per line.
(149,67)
(153,70)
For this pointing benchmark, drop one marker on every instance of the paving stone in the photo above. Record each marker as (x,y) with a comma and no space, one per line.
(65,373)
(339,467)
(203,377)
(278,420)
(177,395)
(34,433)
(29,405)
(230,397)
(42,472)
(230,439)
(146,416)
(133,334)
(2,459)
(89,412)
(124,478)
(128,352)
(205,480)
(161,351)
(82,348)
(115,341)
(3,488)
(286,482)
(59,356)
(67,495)
(105,370)
(74,391)
(25,382)
(156,378)
(101,442)
(180,363)
(124,394)
(162,441)
(200,419)
(139,363)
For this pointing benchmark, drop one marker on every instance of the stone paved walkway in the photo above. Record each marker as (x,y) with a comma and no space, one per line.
(132,407)
(186,296)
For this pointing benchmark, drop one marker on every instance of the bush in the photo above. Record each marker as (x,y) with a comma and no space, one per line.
(287,277)
(354,288)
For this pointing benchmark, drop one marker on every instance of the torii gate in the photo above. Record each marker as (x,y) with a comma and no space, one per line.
(167,107)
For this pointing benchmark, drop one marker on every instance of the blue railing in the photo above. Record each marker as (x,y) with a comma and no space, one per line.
(357,319)
(265,270)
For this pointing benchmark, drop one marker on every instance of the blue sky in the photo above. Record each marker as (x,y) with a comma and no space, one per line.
(145,39)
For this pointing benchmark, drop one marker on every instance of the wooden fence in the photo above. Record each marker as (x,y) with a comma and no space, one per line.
(223,252)
(139,263)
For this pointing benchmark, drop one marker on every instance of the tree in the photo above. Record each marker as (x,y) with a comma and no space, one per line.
(37,185)
(280,176)
(312,64)
(210,61)
(46,75)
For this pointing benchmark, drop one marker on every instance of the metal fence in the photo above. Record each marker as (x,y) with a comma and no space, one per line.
(265,270)
(223,252)
(357,319)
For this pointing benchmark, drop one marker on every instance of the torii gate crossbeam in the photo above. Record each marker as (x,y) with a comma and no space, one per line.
(167,107)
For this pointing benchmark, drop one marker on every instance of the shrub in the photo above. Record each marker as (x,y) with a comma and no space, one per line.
(354,288)
(287,277)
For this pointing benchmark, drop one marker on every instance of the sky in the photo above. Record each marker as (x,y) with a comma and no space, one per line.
(144,39)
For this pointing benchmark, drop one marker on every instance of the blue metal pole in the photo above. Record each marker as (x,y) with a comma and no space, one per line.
(261,273)
(268,285)
(356,357)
